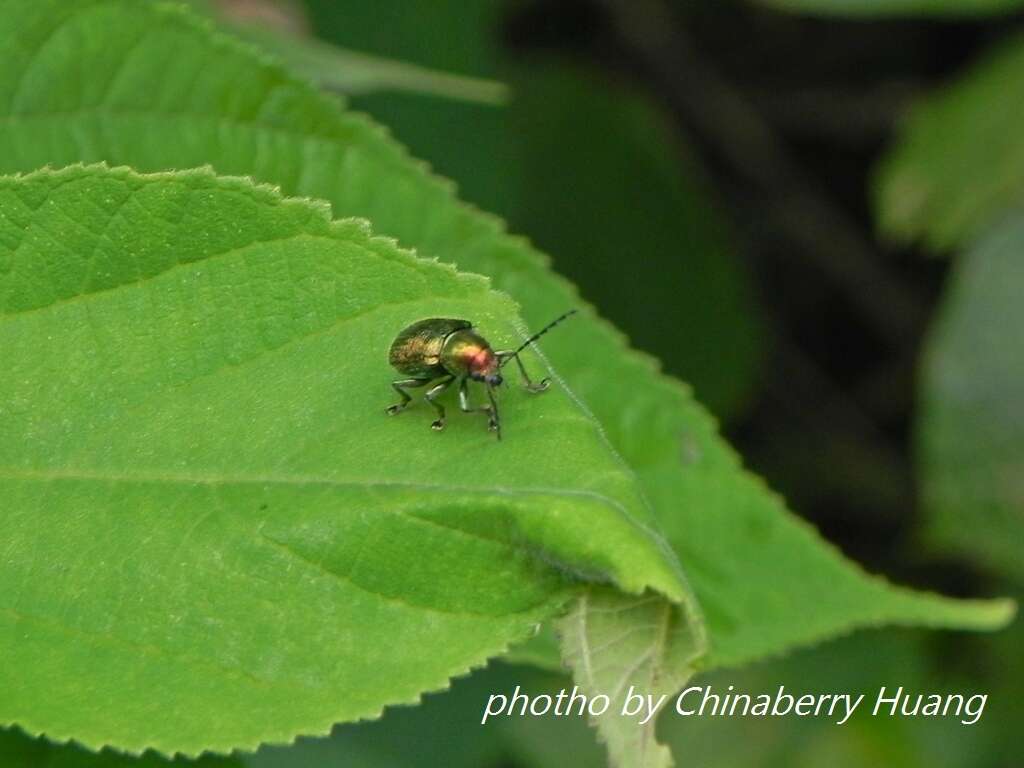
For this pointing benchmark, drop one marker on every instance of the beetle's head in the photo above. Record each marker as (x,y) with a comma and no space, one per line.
(492,378)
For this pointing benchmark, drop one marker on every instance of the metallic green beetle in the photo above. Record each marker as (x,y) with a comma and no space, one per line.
(446,350)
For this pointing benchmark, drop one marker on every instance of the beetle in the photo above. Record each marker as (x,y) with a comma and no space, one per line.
(447,350)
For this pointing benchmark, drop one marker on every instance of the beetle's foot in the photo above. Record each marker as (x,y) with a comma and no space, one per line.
(493,426)
(392,410)
(437,425)
(540,386)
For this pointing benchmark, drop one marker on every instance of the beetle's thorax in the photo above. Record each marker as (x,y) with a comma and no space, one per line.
(466,353)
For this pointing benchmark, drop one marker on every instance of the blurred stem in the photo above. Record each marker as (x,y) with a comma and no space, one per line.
(282,27)
(842,115)
(825,234)
(353,72)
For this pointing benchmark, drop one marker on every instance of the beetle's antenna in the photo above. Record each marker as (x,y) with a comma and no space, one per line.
(539,333)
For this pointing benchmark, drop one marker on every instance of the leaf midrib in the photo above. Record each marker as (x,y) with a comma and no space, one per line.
(313,481)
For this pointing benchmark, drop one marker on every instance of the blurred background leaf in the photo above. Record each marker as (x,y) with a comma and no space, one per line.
(958,163)
(971,422)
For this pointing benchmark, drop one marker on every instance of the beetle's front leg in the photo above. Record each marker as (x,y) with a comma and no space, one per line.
(495,423)
(400,387)
(490,410)
(430,397)
(539,386)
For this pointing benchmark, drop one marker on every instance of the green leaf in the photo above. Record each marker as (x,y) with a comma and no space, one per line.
(163,91)
(637,652)
(958,163)
(872,8)
(203,492)
(971,426)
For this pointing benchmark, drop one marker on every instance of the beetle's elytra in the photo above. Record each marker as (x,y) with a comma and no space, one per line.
(442,351)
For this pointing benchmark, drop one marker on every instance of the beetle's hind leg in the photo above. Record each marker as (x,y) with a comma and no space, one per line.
(531,386)
(400,387)
(435,392)
(491,410)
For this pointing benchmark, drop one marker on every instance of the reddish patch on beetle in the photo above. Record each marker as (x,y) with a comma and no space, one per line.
(480,360)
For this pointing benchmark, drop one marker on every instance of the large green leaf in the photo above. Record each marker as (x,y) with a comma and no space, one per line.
(971,423)
(871,8)
(213,534)
(163,91)
(958,164)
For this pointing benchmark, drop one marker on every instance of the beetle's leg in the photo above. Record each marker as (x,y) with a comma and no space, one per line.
(539,386)
(495,423)
(434,392)
(464,399)
(491,410)
(400,387)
